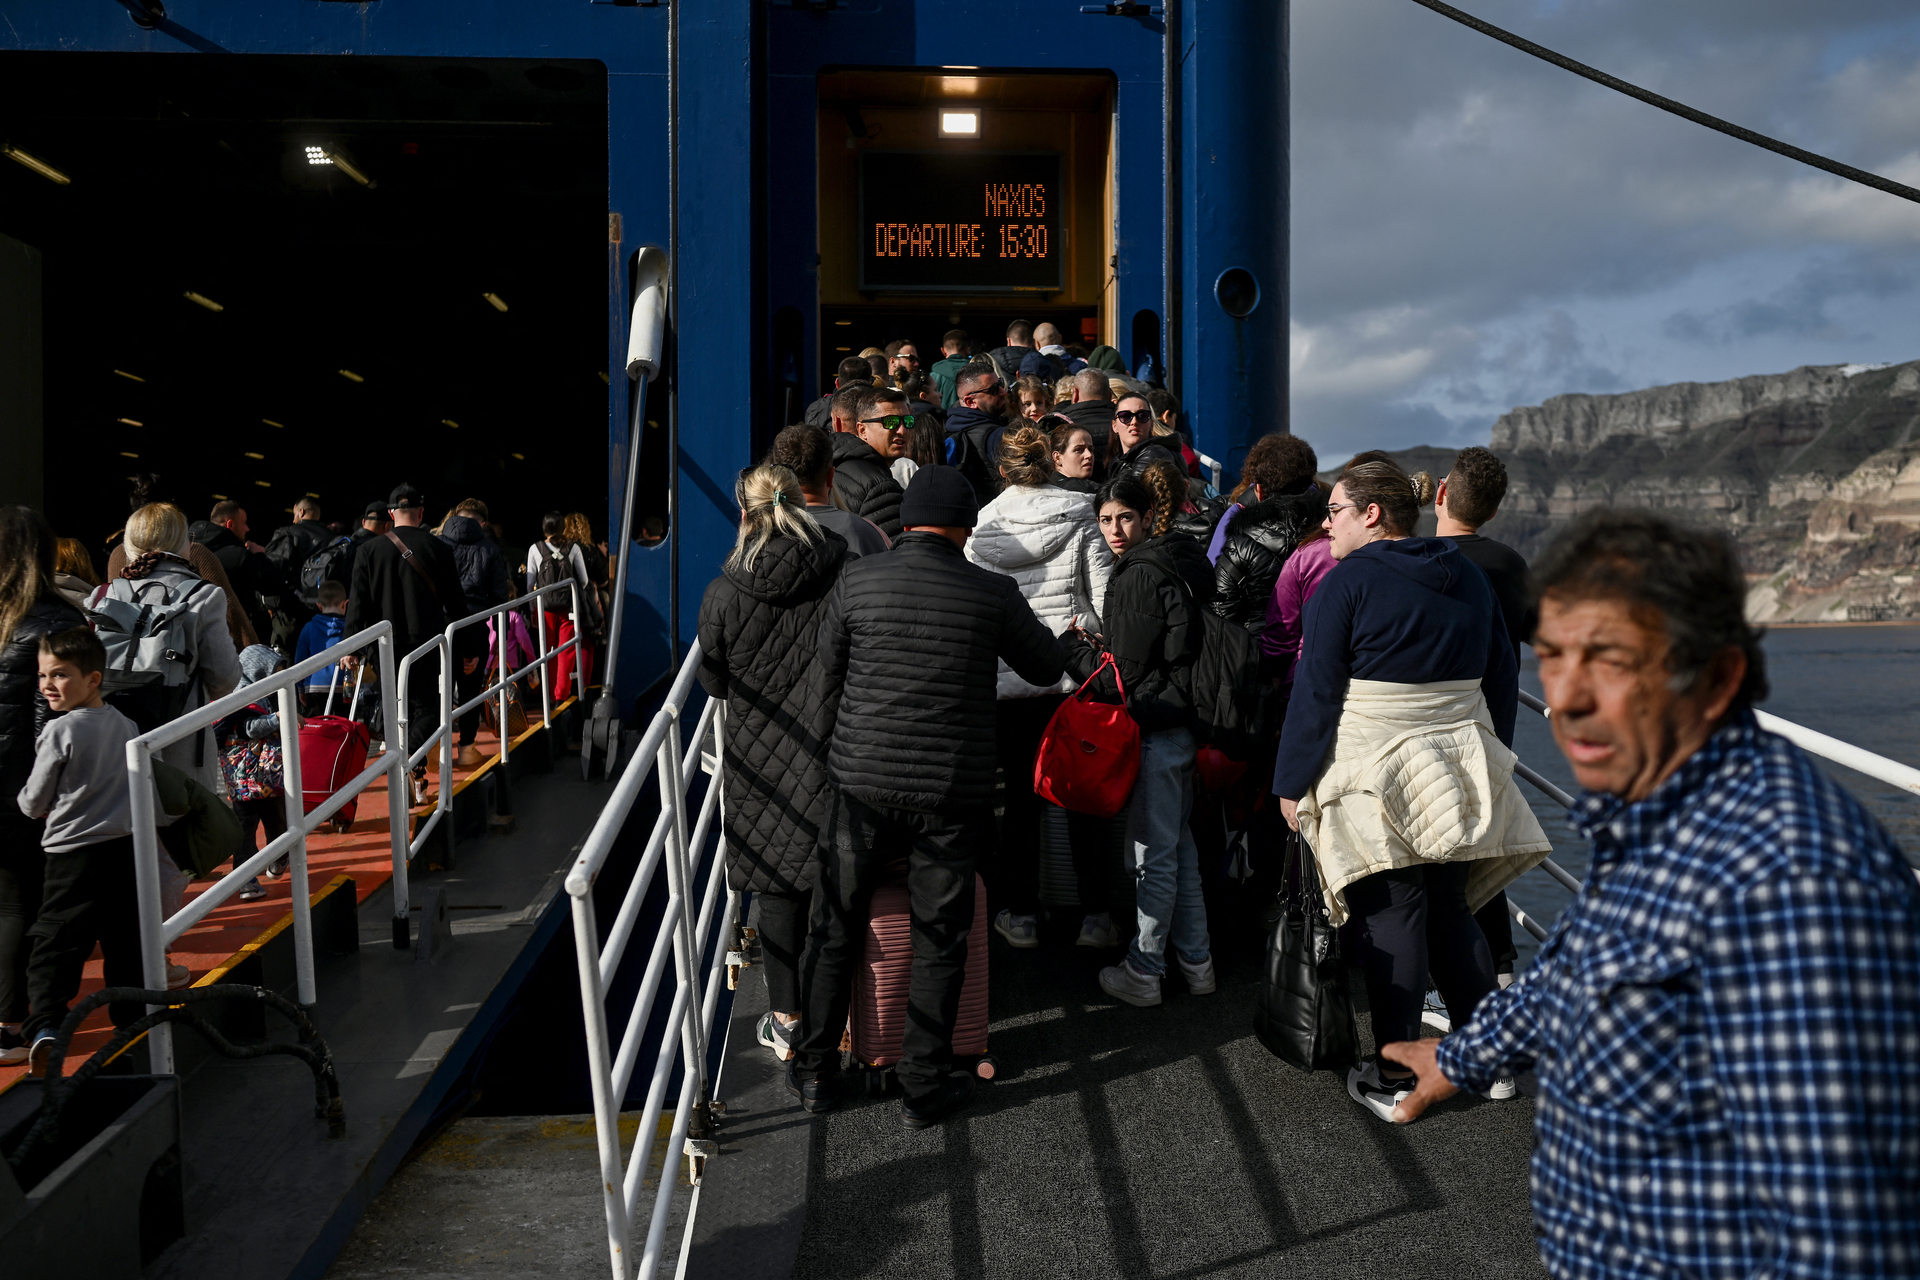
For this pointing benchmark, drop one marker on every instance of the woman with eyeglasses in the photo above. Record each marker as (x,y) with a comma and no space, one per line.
(1073,454)
(1151,623)
(1132,445)
(1048,542)
(759,623)
(1395,763)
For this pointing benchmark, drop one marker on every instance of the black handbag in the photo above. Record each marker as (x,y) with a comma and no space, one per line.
(1305,1011)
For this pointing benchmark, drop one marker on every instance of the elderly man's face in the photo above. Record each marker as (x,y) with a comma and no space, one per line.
(1615,712)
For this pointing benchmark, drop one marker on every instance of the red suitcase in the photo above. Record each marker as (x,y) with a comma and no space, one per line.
(878,1020)
(333,751)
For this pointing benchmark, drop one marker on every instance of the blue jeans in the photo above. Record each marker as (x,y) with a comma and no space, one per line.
(1166,862)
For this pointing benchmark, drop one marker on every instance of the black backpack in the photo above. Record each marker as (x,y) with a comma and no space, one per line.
(323,565)
(289,548)
(1238,711)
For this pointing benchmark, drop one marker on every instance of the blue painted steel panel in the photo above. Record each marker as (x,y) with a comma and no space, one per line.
(1234,213)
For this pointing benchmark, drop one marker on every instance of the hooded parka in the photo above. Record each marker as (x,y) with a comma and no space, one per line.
(759,629)
(1048,541)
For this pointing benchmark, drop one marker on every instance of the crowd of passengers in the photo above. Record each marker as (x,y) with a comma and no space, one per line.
(1722,1025)
(242,611)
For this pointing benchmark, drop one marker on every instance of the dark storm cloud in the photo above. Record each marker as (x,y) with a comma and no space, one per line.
(1474,229)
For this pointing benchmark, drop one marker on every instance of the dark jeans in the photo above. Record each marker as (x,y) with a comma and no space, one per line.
(269,812)
(1497,923)
(423,703)
(860,844)
(1013,875)
(1411,922)
(466,686)
(782,922)
(89,898)
(23,865)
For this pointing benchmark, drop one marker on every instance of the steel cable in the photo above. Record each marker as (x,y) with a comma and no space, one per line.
(1680,109)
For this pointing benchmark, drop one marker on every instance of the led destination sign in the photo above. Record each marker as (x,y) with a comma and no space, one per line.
(936,222)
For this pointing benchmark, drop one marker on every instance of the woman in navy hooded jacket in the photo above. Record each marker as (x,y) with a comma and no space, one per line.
(1411,611)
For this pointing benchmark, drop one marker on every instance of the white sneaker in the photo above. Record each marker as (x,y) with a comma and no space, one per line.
(1019,931)
(178,976)
(40,1056)
(1123,982)
(1098,931)
(1200,978)
(776,1035)
(13,1046)
(1381,1097)
(1502,1090)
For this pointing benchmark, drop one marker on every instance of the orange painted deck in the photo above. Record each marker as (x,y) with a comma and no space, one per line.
(211,947)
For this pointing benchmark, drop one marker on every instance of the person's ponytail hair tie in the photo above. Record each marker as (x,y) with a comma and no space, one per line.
(765,513)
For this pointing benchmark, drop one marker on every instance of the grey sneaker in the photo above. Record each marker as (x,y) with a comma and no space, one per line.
(1379,1096)
(1200,978)
(1098,931)
(1019,931)
(1124,982)
(1503,1089)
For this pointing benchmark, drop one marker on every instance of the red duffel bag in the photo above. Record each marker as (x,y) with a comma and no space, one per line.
(1090,753)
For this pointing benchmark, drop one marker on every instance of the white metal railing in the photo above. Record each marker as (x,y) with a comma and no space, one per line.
(158,930)
(1213,465)
(693,914)
(1859,759)
(504,679)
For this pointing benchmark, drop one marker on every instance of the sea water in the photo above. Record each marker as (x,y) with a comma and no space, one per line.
(1860,684)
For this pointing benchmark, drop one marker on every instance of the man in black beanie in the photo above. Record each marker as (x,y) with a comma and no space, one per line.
(915,635)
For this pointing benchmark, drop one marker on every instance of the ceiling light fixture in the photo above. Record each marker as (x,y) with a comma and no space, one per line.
(318,155)
(219,497)
(312,494)
(132,422)
(263,484)
(520,457)
(134,376)
(351,376)
(499,304)
(341,163)
(604,378)
(201,299)
(125,454)
(258,457)
(35,163)
(959,124)
(449,422)
(270,422)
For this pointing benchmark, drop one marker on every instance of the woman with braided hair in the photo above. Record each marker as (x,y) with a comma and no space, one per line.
(759,626)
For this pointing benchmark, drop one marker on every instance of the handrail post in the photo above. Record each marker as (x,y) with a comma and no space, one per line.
(606,1107)
(146,883)
(679,862)
(546,667)
(399,795)
(443,802)
(579,647)
(297,880)
(502,777)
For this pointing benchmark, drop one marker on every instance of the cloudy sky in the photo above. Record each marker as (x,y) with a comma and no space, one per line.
(1474,229)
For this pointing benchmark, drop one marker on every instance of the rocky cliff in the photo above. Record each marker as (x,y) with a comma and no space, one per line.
(1816,473)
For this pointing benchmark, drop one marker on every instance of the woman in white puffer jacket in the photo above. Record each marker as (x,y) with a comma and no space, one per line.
(1048,540)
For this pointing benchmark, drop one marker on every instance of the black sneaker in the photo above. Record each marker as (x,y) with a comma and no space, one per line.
(924,1112)
(817,1093)
(1378,1094)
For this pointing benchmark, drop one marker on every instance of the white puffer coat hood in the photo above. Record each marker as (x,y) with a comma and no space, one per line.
(1048,541)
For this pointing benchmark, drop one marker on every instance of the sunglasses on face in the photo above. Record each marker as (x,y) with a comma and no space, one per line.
(993,390)
(892,422)
(1134,417)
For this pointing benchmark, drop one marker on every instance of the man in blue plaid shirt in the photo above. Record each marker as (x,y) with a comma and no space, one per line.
(1726,1022)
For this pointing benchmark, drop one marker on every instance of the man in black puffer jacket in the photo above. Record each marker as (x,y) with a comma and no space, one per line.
(863,453)
(915,635)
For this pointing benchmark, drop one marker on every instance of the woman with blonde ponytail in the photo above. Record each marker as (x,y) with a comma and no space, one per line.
(759,623)
(1048,541)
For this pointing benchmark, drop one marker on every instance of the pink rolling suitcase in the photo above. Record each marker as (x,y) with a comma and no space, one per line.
(879,1014)
(333,751)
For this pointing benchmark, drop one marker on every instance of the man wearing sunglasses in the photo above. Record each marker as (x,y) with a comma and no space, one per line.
(974,426)
(864,448)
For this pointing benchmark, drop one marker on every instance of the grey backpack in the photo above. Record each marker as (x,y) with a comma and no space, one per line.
(149,634)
